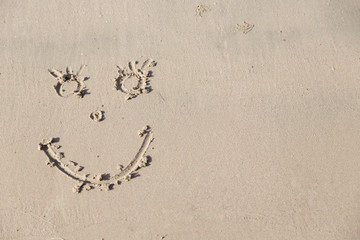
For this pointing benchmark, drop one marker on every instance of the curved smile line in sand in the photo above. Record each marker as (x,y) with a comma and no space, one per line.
(101,181)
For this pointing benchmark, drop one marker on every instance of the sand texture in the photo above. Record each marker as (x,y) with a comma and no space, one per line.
(179,120)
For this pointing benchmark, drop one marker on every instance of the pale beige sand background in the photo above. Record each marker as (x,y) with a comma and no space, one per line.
(256,136)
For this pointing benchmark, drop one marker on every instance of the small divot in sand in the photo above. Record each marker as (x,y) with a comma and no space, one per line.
(200,9)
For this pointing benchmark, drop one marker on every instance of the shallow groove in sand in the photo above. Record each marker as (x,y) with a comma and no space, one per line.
(141,74)
(69,77)
(100,181)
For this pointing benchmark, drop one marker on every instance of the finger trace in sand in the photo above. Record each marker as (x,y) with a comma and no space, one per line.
(100,181)
(245,27)
(141,74)
(67,78)
(200,9)
(97,116)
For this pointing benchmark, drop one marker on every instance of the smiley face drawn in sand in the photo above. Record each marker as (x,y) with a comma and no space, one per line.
(72,169)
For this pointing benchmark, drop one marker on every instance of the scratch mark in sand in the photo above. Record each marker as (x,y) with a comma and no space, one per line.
(245,27)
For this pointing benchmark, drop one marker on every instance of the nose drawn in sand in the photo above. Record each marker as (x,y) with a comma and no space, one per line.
(67,78)
(101,181)
(97,116)
(142,76)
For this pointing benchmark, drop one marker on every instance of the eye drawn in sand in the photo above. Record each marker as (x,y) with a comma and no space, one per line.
(141,74)
(97,116)
(67,78)
(101,181)
(201,9)
(245,27)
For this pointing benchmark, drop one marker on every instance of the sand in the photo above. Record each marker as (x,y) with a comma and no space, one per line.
(252,111)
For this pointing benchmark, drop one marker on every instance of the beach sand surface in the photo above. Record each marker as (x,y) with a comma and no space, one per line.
(254,109)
